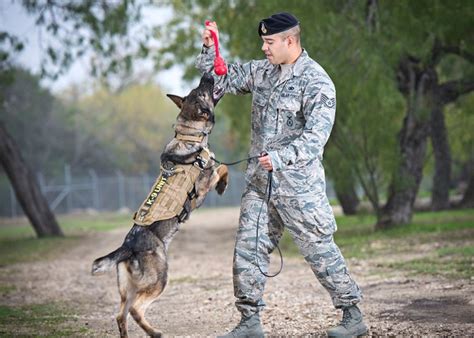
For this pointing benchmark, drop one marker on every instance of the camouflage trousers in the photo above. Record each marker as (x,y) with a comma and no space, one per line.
(311,223)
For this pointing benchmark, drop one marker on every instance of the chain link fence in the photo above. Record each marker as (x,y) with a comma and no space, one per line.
(88,191)
(72,192)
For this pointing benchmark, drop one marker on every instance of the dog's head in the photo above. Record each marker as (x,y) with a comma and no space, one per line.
(200,103)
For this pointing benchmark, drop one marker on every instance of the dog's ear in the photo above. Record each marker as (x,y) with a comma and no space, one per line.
(178,100)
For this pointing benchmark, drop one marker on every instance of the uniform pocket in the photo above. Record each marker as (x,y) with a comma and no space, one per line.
(324,216)
(290,117)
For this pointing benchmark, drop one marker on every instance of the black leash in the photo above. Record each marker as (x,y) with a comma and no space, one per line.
(267,200)
(236,162)
(269,188)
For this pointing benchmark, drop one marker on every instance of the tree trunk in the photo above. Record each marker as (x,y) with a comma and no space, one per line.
(417,85)
(442,156)
(406,181)
(26,188)
(348,199)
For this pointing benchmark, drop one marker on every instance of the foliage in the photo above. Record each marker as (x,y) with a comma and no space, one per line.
(30,113)
(132,125)
(38,319)
(101,28)
(103,130)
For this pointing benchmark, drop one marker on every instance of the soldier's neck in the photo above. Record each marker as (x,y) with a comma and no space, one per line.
(293,56)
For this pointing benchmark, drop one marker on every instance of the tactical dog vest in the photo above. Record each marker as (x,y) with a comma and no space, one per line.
(171,190)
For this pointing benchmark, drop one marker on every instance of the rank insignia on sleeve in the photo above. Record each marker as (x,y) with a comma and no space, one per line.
(330,103)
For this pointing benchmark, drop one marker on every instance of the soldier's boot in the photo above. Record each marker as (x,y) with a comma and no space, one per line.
(351,324)
(248,327)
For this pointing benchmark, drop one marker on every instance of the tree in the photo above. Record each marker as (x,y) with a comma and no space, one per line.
(427,35)
(76,27)
(27,190)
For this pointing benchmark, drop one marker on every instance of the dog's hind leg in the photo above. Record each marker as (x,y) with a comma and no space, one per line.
(127,297)
(138,313)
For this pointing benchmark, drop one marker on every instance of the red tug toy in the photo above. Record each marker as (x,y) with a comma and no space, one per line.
(220,67)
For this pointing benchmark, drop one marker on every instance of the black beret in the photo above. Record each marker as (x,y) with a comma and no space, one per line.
(277,23)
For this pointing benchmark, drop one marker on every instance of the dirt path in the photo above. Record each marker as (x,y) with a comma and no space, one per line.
(199,299)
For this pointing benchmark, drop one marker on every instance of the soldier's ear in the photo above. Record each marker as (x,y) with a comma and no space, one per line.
(178,100)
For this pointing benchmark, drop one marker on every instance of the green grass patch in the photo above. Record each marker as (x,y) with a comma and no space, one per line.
(6,289)
(184,279)
(70,224)
(357,237)
(451,262)
(52,320)
(18,242)
(33,249)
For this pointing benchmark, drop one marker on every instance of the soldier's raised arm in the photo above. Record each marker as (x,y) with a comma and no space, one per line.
(239,77)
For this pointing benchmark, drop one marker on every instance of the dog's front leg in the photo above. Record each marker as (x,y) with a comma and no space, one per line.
(218,179)
(222,179)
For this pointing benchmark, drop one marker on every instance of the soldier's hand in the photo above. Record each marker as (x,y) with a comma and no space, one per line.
(206,34)
(266,162)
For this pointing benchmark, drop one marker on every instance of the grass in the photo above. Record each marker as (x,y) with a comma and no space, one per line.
(49,320)
(454,262)
(355,236)
(18,242)
(357,239)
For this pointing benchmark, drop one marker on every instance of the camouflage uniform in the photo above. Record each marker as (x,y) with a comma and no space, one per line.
(292,118)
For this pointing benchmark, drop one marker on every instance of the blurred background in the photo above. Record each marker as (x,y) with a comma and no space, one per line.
(83,87)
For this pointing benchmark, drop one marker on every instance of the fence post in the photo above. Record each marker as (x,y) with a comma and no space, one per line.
(121,189)
(67,183)
(95,189)
(41,183)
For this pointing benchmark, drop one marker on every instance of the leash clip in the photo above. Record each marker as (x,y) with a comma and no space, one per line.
(201,162)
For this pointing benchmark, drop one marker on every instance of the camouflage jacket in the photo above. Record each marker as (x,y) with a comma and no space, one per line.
(292,118)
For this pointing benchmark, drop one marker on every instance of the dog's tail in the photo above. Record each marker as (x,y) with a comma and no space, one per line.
(104,264)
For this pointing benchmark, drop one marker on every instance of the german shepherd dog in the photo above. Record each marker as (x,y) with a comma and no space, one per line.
(141,261)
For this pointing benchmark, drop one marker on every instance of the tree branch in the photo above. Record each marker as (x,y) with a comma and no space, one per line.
(439,50)
(451,90)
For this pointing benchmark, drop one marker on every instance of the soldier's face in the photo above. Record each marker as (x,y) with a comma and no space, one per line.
(276,48)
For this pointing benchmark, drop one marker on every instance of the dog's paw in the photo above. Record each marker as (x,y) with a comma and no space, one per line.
(223,173)
(221,187)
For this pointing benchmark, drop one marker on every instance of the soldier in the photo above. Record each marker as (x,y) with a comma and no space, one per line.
(293,110)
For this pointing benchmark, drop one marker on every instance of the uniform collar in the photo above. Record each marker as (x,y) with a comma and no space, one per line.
(298,67)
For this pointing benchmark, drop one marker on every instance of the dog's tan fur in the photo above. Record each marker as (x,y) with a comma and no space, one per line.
(141,261)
